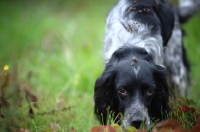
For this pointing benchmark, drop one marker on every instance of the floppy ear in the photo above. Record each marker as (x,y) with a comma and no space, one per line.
(160,100)
(105,98)
(165,12)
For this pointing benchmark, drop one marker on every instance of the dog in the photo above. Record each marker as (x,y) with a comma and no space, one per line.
(134,80)
(133,85)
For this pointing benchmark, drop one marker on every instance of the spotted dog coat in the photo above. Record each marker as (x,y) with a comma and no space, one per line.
(175,58)
(134,79)
(176,62)
(128,23)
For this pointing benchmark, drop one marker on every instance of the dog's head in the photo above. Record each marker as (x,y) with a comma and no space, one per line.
(133,85)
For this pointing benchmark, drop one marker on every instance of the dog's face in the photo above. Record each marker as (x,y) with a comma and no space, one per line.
(134,86)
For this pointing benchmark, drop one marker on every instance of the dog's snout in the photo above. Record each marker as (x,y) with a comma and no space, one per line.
(136,123)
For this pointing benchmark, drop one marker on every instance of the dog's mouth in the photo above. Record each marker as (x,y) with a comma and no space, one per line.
(137,118)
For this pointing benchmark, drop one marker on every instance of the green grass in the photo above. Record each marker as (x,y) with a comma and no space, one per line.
(59,43)
(192,45)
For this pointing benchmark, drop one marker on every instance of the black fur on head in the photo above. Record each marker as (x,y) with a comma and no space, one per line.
(133,85)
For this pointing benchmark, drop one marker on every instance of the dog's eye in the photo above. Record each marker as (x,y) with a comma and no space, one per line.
(150,92)
(123,91)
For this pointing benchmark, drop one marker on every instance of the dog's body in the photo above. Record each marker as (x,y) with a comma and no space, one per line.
(176,62)
(175,58)
(134,80)
(143,23)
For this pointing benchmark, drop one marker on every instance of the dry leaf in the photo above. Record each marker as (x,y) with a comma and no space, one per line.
(106,128)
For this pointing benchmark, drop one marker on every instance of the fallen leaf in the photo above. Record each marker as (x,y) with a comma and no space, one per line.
(186,108)
(97,129)
(168,126)
(106,128)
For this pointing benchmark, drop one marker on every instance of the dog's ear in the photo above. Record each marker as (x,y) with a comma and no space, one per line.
(160,100)
(165,12)
(104,96)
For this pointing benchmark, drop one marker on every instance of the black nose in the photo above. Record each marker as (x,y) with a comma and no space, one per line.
(136,123)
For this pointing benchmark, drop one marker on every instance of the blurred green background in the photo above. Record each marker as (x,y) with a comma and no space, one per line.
(54,53)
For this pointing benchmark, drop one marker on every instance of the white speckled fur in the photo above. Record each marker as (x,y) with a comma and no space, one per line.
(116,34)
(134,111)
(178,74)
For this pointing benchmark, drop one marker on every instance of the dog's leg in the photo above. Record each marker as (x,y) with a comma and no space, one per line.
(177,68)
(175,56)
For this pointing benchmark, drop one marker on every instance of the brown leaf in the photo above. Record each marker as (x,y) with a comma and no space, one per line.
(107,128)
(186,108)
(171,123)
(98,129)
(161,130)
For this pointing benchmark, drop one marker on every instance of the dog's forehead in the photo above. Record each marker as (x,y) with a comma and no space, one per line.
(139,71)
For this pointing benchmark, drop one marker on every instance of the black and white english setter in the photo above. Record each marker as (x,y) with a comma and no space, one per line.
(134,81)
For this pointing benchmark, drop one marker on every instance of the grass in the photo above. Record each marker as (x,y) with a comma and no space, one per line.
(54,49)
(192,44)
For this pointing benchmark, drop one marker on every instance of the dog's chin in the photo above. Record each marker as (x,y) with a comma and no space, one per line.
(138,119)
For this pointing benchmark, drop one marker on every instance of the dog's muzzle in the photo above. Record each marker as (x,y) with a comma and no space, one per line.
(136,115)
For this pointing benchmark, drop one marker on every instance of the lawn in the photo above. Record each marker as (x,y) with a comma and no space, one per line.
(54,53)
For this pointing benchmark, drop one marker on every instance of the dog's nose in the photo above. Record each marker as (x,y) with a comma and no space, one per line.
(136,123)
